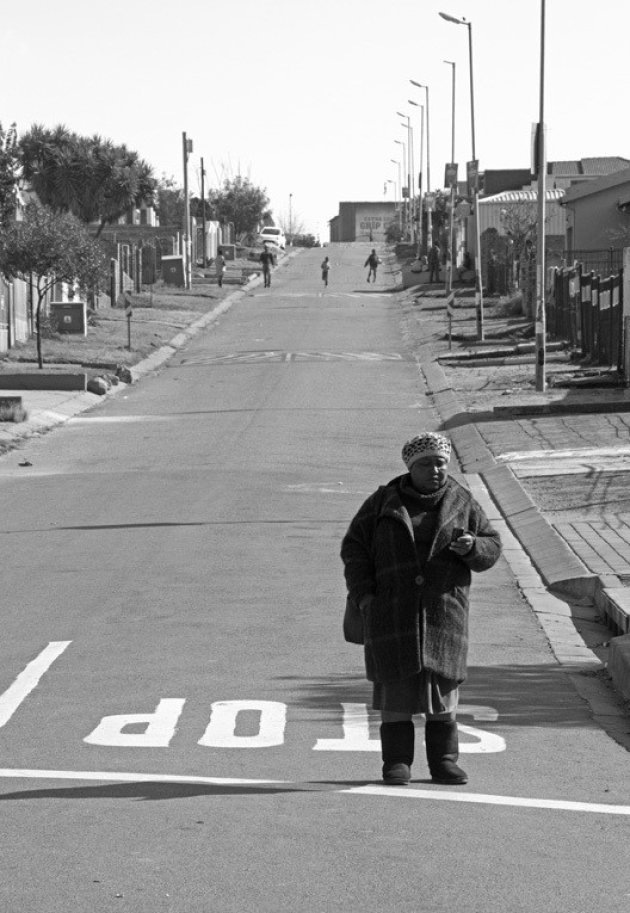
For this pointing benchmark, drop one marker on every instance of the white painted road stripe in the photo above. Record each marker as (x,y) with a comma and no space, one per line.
(28,679)
(124,777)
(404,792)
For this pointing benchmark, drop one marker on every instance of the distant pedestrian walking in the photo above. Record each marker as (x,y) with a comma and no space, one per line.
(267,260)
(219,266)
(373,262)
(434,262)
(325,269)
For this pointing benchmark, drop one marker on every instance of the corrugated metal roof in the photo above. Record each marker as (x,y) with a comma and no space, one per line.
(522,196)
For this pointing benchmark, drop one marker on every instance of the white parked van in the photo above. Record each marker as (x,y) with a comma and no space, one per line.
(272,235)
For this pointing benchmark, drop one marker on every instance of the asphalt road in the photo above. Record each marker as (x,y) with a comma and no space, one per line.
(182,727)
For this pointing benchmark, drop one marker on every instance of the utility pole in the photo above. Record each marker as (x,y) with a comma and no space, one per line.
(187,148)
(449,277)
(290,219)
(203,214)
(541,317)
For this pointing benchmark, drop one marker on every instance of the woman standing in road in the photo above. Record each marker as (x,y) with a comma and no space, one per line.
(408,556)
(325,269)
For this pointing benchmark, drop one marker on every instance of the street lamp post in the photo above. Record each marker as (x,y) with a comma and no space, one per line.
(290,219)
(421,85)
(449,281)
(478,277)
(404,171)
(187,148)
(203,214)
(420,174)
(410,166)
(396,162)
(409,177)
(389,181)
(541,317)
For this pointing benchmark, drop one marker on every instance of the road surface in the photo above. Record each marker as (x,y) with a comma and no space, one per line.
(182,727)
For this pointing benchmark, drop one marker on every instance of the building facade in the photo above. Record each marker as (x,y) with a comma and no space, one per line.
(362,221)
(598,213)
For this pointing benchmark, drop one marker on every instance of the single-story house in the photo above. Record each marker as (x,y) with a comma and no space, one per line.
(362,221)
(597,213)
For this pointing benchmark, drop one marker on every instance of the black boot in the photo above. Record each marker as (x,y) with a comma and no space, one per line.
(397,743)
(443,751)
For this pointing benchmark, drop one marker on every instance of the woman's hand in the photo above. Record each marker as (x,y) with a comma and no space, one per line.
(463,545)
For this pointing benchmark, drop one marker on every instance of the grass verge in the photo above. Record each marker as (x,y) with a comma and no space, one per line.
(158,315)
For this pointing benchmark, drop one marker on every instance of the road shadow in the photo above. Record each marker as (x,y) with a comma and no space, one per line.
(523,695)
(375,291)
(159,791)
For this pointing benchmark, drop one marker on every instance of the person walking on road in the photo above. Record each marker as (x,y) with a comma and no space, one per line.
(408,556)
(219,267)
(372,262)
(434,262)
(267,260)
(325,269)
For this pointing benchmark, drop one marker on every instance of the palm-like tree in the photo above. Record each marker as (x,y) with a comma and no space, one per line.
(90,177)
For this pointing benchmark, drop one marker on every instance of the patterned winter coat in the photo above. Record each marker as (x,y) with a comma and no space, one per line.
(418,618)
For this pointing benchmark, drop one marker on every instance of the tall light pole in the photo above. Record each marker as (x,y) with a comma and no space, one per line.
(396,162)
(420,173)
(541,155)
(187,148)
(421,85)
(410,164)
(203,214)
(475,164)
(290,218)
(389,181)
(404,168)
(449,281)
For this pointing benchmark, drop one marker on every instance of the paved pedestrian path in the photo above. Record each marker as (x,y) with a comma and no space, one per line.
(556,463)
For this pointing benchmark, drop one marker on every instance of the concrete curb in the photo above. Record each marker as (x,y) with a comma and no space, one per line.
(44,380)
(619,664)
(500,351)
(561,407)
(557,565)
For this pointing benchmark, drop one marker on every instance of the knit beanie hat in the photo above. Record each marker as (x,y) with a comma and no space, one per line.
(428,444)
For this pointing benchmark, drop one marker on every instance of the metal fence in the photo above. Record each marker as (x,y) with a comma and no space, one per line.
(587,311)
(604,262)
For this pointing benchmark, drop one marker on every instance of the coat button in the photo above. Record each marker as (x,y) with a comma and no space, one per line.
(419,580)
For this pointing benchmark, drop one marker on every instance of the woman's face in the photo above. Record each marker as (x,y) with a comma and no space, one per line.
(429,473)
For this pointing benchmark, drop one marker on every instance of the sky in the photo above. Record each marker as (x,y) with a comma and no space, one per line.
(302,97)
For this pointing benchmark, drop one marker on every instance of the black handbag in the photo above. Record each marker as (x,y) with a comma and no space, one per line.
(353,623)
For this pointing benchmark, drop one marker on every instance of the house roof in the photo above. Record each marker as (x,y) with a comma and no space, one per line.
(589,167)
(521,196)
(586,188)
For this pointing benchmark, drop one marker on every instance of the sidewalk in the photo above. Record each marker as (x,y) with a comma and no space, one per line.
(48,408)
(557,464)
